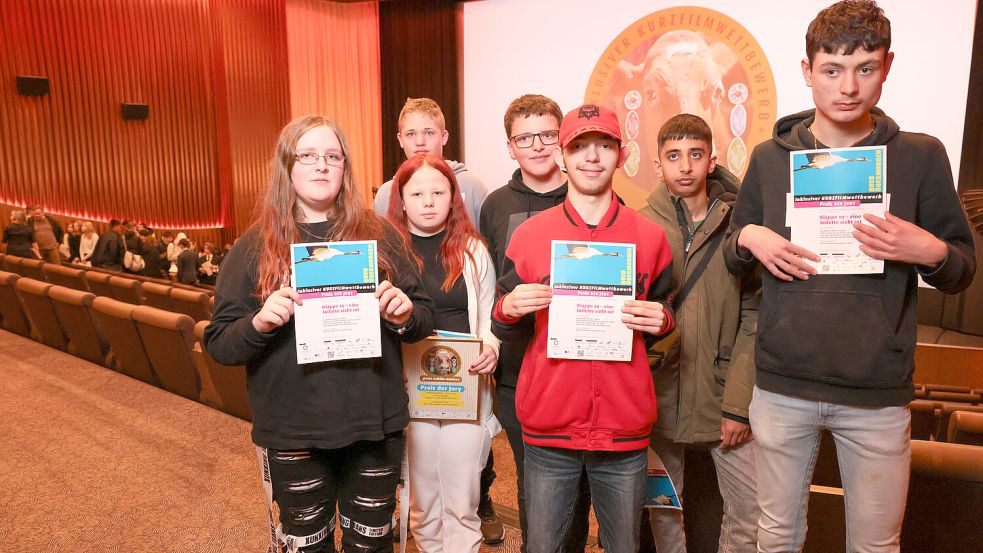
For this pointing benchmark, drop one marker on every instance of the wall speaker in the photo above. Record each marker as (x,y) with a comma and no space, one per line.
(32,86)
(135,112)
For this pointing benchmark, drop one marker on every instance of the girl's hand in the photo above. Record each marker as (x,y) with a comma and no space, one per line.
(394,305)
(485,364)
(277,310)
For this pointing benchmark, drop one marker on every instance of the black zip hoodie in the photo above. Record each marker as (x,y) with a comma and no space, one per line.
(503,211)
(850,339)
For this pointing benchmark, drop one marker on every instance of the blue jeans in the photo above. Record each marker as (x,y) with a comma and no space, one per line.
(873,447)
(617,485)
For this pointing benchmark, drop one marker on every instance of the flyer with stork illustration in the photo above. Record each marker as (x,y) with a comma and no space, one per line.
(591,281)
(339,318)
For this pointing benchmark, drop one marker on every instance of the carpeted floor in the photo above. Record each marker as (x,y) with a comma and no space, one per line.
(92,460)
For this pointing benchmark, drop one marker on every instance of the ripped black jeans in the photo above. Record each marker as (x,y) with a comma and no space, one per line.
(306,485)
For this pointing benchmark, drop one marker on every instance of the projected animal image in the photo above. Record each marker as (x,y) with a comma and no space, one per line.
(681,71)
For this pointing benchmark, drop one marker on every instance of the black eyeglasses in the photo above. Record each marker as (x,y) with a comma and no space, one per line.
(526,140)
(333,159)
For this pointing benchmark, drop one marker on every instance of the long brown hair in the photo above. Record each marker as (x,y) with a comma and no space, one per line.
(277,213)
(454,251)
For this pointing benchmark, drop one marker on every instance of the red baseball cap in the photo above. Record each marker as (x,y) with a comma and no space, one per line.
(589,118)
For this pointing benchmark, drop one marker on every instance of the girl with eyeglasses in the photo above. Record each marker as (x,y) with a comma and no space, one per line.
(329,435)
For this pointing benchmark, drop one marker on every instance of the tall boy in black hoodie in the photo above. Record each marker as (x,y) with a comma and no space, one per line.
(836,352)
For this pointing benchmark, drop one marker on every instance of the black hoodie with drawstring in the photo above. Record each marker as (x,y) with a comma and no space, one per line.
(503,211)
(849,339)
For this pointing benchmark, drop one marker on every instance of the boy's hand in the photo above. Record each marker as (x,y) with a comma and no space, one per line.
(644,316)
(733,434)
(782,258)
(895,239)
(525,299)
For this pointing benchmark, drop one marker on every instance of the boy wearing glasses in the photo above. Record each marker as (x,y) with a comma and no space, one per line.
(421,131)
(836,352)
(532,132)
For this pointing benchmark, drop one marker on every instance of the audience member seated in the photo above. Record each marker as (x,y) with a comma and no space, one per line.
(208,264)
(87,242)
(19,237)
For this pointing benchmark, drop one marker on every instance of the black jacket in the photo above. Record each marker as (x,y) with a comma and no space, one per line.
(318,405)
(109,251)
(850,339)
(503,211)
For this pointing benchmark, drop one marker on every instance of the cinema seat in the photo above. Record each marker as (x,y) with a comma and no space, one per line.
(966,427)
(33,268)
(66,276)
(45,327)
(127,353)
(169,338)
(125,289)
(949,409)
(926,419)
(192,303)
(74,310)
(11,264)
(944,496)
(227,383)
(157,295)
(957,397)
(99,283)
(11,307)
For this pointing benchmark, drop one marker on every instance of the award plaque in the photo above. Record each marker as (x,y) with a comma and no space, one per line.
(438,382)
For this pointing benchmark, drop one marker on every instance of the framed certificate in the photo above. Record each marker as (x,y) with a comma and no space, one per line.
(437,379)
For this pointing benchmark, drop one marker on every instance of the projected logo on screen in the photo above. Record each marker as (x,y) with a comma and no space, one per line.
(684,60)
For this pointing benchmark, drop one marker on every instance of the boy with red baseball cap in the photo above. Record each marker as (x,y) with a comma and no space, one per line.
(585,414)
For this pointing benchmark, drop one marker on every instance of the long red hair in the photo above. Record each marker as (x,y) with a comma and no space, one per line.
(454,251)
(278,213)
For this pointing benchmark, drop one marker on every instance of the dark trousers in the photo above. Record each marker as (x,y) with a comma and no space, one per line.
(576,538)
(360,479)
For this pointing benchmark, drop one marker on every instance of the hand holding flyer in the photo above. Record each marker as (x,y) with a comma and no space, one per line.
(831,190)
(591,282)
(339,314)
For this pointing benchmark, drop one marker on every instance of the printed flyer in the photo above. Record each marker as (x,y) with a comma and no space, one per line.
(660,492)
(591,281)
(340,315)
(831,190)
(438,382)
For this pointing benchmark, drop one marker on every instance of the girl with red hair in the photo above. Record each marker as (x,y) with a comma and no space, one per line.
(446,457)
(329,435)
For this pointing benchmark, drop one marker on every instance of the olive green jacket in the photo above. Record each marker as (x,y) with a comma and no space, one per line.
(705,368)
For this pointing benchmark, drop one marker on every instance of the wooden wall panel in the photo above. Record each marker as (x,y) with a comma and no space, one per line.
(71,150)
(256,105)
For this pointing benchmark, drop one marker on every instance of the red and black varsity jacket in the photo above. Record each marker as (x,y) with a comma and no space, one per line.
(586,405)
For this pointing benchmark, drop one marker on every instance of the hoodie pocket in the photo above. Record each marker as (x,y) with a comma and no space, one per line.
(837,337)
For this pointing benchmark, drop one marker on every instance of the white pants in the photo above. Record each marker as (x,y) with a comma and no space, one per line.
(445,462)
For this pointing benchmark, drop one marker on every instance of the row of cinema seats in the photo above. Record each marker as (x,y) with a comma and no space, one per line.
(134,289)
(159,347)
